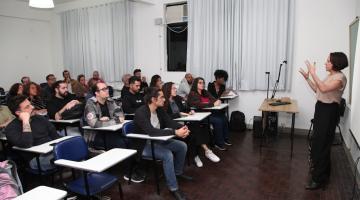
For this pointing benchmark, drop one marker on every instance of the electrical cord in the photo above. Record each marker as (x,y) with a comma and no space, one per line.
(354,187)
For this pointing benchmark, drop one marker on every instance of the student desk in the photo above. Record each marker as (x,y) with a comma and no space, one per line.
(65,122)
(291,108)
(43,192)
(100,162)
(152,139)
(42,149)
(112,128)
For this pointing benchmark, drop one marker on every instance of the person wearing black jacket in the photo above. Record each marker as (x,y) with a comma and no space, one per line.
(152,120)
(28,130)
(133,99)
(199,135)
(200,98)
(217,88)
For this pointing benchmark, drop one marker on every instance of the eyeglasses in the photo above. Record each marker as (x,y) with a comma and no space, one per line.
(104,89)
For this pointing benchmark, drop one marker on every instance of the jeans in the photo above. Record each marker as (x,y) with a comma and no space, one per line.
(221,128)
(45,163)
(172,154)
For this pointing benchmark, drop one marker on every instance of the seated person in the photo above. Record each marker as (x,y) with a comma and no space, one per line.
(47,91)
(199,134)
(152,120)
(25,80)
(156,81)
(144,85)
(5,116)
(96,77)
(15,89)
(185,85)
(28,130)
(101,111)
(200,98)
(217,88)
(133,99)
(61,101)
(125,89)
(33,92)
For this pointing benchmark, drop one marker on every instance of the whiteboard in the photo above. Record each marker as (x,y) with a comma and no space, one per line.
(355,75)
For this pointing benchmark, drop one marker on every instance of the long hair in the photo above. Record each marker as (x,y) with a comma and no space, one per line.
(154,79)
(14,89)
(27,89)
(166,88)
(194,86)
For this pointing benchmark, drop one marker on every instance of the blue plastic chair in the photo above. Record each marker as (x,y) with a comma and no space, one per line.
(91,183)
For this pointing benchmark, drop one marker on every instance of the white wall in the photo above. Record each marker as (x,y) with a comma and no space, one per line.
(25,42)
(318,31)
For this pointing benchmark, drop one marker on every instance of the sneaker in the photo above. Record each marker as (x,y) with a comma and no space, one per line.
(220,147)
(198,162)
(178,195)
(209,154)
(227,142)
(135,178)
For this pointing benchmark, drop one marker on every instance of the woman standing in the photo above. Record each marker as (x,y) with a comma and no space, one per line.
(328,94)
(199,134)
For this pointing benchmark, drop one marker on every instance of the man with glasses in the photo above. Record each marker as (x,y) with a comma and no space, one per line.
(101,111)
(28,130)
(133,99)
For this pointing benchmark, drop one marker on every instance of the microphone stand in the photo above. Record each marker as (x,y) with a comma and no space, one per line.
(277,81)
(268,85)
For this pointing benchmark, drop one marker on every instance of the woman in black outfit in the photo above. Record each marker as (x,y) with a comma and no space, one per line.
(199,134)
(328,95)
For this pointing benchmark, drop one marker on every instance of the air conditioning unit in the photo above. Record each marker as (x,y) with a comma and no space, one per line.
(176,13)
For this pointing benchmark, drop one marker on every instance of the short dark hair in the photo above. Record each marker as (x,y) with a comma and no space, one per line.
(56,85)
(15,102)
(48,76)
(151,92)
(22,78)
(338,60)
(80,76)
(221,74)
(94,88)
(136,71)
(64,72)
(133,79)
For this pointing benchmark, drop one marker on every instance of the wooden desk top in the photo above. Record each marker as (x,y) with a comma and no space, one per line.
(289,108)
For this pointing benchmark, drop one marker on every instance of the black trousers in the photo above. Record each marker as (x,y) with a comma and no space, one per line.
(326,118)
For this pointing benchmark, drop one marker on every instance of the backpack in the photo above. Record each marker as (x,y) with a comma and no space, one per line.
(10,185)
(237,121)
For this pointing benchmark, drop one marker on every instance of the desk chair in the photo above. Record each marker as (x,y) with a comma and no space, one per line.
(341,114)
(91,183)
(129,128)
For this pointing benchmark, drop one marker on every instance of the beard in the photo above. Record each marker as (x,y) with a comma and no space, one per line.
(63,95)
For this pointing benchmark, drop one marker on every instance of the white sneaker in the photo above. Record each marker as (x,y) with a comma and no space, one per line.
(198,161)
(209,154)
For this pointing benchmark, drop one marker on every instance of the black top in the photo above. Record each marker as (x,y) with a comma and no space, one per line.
(42,131)
(104,110)
(131,102)
(56,104)
(124,91)
(212,90)
(143,86)
(47,93)
(143,124)
(37,102)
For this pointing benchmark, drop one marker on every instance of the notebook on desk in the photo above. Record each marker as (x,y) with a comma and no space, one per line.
(279,103)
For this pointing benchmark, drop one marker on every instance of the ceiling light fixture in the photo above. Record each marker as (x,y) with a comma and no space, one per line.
(41,3)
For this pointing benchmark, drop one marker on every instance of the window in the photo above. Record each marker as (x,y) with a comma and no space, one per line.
(176,34)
